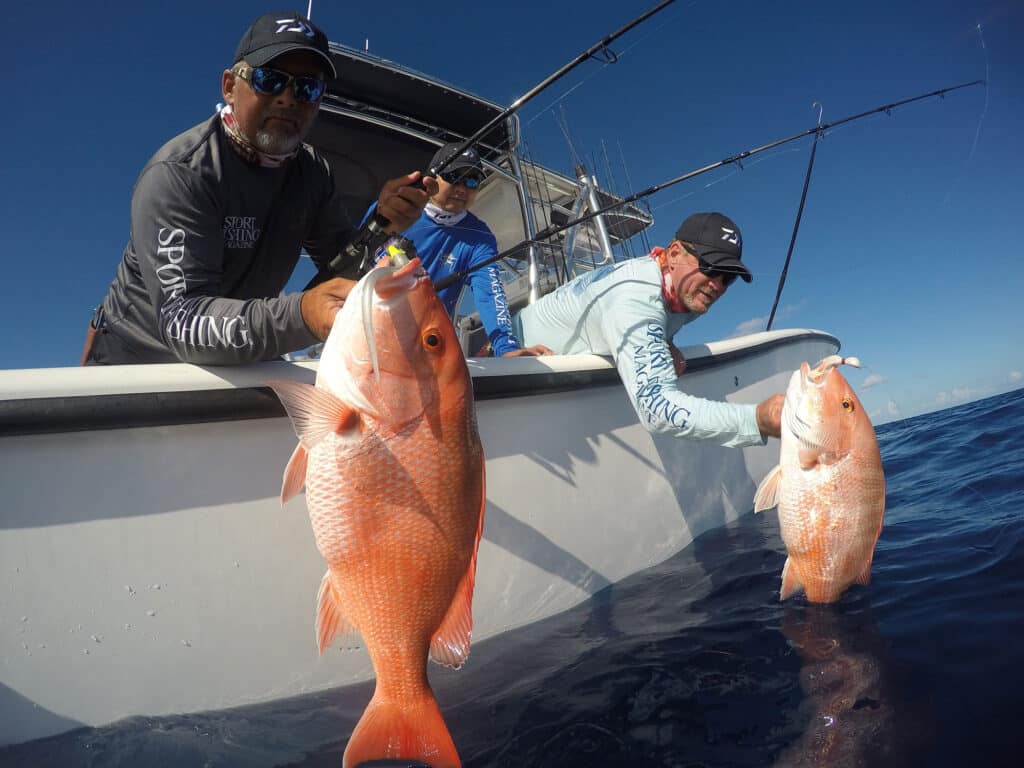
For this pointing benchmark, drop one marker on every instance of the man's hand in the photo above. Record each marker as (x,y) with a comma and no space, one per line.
(769,416)
(321,304)
(535,351)
(401,203)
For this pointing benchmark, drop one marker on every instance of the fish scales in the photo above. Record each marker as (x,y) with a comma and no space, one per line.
(829,486)
(391,460)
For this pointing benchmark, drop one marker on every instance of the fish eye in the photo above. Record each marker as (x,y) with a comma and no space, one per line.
(432,340)
(848,405)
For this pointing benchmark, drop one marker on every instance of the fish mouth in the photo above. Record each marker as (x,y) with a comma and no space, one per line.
(387,283)
(803,382)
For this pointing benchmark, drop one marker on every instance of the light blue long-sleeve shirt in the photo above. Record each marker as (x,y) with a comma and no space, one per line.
(618,310)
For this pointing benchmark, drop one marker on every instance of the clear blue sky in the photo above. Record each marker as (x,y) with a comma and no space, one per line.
(910,249)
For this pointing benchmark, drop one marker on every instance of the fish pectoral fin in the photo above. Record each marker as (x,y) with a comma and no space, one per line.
(450,644)
(314,412)
(330,621)
(294,474)
(767,495)
(790,581)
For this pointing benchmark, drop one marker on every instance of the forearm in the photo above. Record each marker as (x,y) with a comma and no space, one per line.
(492,305)
(207,330)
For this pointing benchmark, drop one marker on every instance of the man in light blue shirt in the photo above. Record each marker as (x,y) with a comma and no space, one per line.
(632,309)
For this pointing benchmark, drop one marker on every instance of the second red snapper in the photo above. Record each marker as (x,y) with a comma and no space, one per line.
(829,485)
(394,474)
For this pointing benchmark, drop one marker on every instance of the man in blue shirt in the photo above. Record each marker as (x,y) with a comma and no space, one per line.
(450,239)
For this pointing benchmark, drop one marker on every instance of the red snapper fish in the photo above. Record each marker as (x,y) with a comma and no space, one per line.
(829,486)
(394,472)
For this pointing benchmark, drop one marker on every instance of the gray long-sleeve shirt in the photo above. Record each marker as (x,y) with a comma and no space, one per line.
(214,240)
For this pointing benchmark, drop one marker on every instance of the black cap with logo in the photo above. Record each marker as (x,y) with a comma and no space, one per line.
(468,158)
(716,240)
(274,34)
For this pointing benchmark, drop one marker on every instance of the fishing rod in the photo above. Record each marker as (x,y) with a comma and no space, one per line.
(796,224)
(373,231)
(738,159)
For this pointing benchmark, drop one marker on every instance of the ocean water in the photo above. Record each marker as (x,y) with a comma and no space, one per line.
(696,662)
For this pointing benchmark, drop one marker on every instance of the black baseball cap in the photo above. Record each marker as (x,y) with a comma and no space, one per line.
(716,240)
(274,34)
(468,158)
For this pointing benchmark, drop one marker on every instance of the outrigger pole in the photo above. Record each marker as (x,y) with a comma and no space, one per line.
(738,159)
(373,233)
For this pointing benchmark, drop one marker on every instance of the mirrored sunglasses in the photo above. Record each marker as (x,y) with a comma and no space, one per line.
(273,81)
(710,271)
(470,179)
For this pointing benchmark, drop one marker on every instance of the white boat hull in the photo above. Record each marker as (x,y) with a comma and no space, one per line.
(150,570)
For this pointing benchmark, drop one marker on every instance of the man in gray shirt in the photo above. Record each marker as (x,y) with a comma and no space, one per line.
(220,213)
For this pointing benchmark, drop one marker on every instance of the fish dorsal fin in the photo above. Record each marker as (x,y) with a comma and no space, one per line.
(450,645)
(767,495)
(294,473)
(314,412)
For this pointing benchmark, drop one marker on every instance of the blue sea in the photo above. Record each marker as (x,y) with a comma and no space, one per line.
(696,662)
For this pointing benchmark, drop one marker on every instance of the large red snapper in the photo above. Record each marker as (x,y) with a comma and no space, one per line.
(829,486)
(394,472)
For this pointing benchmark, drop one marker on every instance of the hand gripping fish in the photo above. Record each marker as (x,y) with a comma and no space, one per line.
(829,486)
(394,472)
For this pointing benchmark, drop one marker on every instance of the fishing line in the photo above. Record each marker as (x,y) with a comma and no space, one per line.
(373,232)
(981,119)
(737,159)
(729,175)
(618,57)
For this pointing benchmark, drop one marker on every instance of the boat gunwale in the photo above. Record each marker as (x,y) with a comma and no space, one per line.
(220,401)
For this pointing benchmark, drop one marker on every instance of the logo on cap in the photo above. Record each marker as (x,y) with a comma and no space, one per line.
(299,26)
(730,236)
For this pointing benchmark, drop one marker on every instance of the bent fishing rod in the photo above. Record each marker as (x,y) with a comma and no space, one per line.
(819,129)
(373,231)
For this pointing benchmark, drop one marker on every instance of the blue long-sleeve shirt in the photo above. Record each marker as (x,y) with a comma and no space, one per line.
(446,249)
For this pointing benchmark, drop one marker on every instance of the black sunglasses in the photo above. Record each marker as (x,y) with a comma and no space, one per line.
(471,179)
(274,81)
(710,271)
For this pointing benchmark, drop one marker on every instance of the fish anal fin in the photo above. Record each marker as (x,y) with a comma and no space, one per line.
(790,581)
(294,474)
(330,620)
(864,577)
(314,412)
(450,644)
(410,730)
(767,495)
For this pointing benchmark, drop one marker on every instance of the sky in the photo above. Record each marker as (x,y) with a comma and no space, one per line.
(909,250)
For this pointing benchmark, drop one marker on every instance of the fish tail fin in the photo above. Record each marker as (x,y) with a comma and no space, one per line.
(767,495)
(294,474)
(410,729)
(450,645)
(330,621)
(791,583)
